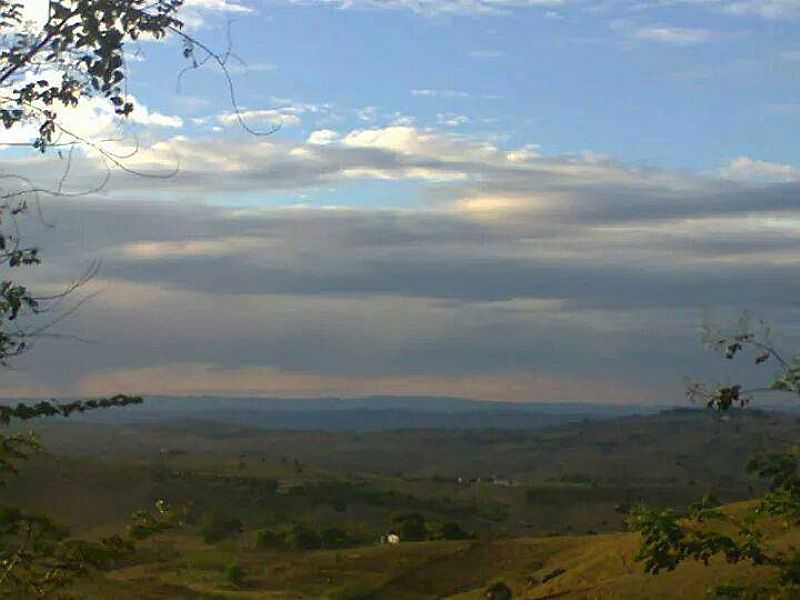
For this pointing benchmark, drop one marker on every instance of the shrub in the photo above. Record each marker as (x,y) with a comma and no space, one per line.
(333,537)
(218,526)
(269,539)
(453,531)
(234,575)
(301,537)
(412,527)
(498,591)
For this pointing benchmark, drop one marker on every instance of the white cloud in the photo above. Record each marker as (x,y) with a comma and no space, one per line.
(748,170)
(368,114)
(438,7)
(428,93)
(452,119)
(424,143)
(323,137)
(401,120)
(93,119)
(677,36)
(282,117)
(769,9)
(487,54)
(524,154)
(143,116)
(245,67)
(217,6)
(194,13)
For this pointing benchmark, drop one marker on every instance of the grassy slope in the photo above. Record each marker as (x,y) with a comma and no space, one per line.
(637,451)
(596,567)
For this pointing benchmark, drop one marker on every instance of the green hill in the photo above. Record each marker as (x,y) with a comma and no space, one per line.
(564,567)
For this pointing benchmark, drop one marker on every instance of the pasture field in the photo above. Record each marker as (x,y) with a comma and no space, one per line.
(541,510)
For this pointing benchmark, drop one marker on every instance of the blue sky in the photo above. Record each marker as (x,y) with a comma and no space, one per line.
(687,85)
(501,199)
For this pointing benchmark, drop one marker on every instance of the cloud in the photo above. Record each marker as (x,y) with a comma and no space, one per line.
(237,68)
(551,9)
(559,273)
(284,117)
(452,119)
(769,9)
(676,36)
(223,6)
(92,119)
(285,113)
(749,170)
(437,7)
(195,13)
(320,302)
(182,379)
(323,137)
(142,116)
(427,93)
(487,54)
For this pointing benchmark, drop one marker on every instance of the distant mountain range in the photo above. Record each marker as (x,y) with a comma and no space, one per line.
(360,414)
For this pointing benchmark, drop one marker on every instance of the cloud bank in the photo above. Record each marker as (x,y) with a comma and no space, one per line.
(522,276)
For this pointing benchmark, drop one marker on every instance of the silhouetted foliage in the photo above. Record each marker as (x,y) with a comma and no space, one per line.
(669,538)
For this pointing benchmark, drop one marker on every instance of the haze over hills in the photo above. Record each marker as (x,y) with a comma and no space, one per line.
(362,414)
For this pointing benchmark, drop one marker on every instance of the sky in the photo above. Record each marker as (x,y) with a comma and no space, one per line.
(520,200)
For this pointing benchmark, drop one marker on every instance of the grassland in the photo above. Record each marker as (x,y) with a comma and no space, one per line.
(594,567)
(537,503)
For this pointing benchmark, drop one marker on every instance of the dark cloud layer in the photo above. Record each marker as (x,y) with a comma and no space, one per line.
(571,270)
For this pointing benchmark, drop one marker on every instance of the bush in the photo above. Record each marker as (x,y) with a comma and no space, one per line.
(269,539)
(234,575)
(453,531)
(411,527)
(217,527)
(498,591)
(301,537)
(333,537)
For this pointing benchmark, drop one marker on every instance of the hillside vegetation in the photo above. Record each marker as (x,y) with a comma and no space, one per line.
(299,514)
(568,567)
